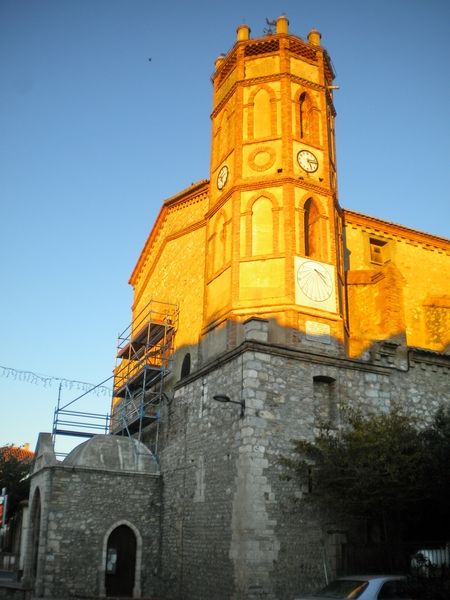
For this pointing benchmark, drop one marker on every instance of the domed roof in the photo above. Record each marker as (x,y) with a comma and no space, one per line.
(112,452)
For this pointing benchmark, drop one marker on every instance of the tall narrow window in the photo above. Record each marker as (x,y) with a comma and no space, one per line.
(220,243)
(262,227)
(262,114)
(312,230)
(304,109)
(221,136)
(309,119)
(224,134)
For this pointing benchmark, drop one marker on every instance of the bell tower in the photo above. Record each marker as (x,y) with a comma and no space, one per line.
(274,231)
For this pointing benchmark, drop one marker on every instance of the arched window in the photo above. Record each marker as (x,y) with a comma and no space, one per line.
(262,114)
(220,243)
(225,133)
(262,227)
(222,136)
(309,119)
(312,228)
(304,107)
(186,366)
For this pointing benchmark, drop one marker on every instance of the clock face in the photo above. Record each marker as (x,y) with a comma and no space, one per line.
(315,281)
(222,177)
(307,161)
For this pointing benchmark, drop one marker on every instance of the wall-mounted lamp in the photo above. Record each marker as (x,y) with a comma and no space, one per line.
(224,399)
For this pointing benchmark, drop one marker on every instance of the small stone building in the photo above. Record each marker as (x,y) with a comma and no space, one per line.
(94,520)
(261,308)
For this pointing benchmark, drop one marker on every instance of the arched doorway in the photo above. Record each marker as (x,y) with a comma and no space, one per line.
(120,562)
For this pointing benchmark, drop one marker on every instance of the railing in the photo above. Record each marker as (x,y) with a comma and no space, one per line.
(79,424)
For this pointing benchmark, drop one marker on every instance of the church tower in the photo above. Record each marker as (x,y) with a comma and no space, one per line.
(274,228)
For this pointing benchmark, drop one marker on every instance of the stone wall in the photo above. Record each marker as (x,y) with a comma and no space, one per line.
(200,440)
(231,527)
(80,507)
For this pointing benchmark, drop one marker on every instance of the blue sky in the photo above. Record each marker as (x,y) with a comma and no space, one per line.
(94,136)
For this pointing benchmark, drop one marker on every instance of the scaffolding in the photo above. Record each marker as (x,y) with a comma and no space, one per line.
(144,359)
(78,423)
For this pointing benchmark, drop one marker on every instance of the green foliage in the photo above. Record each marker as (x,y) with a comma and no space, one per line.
(380,467)
(437,443)
(14,477)
(429,582)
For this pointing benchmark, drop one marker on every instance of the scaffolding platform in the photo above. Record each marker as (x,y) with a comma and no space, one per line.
(144,338)
(144,359)
(79,424)
(135,379)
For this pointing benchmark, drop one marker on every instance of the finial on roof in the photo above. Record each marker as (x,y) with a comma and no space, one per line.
(243,32)
(314,37)
(282,24)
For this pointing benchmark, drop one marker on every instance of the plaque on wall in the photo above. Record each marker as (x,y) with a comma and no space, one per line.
(318,332)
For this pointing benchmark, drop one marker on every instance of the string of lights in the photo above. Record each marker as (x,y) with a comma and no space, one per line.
(48,381)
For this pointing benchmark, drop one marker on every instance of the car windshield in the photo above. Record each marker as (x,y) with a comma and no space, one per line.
(343,588)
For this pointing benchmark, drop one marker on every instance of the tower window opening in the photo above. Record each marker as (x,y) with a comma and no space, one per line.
(262,110)
(325,401)
(303,115)
(309,117)
(312,227)
(186,366)
(262,227)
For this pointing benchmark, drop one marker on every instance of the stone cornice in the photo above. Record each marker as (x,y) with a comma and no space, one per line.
(267,184)
(279,181)
(430,357)
(188,193)
(283,351)
(418,355)
(393,229)
(61,467)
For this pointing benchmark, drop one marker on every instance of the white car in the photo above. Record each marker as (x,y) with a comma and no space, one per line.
(363,587)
